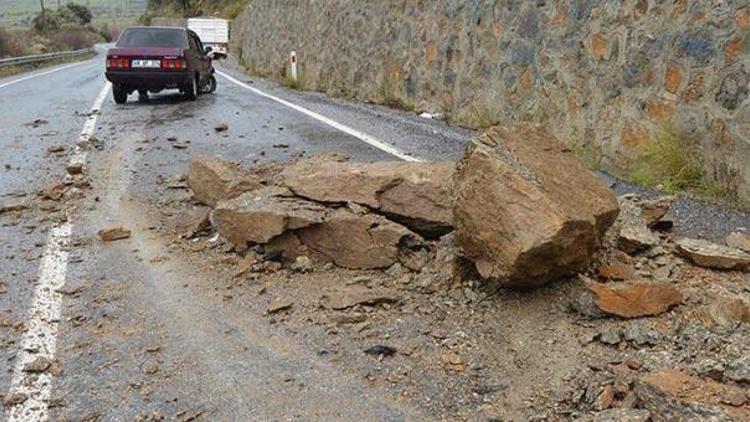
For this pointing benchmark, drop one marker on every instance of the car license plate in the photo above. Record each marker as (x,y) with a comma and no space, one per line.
(147,63)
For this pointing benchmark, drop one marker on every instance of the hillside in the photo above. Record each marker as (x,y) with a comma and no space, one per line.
(228,9)
(17,14)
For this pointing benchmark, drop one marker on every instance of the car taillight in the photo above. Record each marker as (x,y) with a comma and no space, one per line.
(173,64)
(118,63)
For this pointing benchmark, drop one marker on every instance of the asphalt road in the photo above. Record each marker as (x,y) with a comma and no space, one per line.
(141,335)
(136,331)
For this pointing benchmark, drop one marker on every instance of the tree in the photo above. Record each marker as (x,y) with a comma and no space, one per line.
(82,13)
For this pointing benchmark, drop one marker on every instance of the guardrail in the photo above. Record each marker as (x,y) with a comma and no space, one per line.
(39,58)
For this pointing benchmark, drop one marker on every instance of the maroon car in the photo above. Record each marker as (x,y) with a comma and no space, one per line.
(151,59)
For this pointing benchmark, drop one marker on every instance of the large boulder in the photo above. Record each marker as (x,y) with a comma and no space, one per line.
(261,215)
(291,226)
(526,211)
(212,179)
(417,195)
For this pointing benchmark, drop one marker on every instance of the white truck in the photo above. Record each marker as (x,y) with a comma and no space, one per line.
(213,33)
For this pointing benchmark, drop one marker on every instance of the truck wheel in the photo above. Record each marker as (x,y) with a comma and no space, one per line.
(191,91)
(120,94)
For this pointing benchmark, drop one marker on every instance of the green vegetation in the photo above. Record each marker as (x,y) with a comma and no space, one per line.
(67,27)
(298,84)
(589,155)
(672,162)
(228,9)
(19,14)
(391,100)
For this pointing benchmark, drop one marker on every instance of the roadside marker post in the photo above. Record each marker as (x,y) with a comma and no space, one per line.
(293,65)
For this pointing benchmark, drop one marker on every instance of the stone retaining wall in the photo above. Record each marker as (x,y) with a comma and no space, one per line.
(603,74)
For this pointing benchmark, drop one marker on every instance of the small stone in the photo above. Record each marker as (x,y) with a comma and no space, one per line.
(40,364)
(381,350)
(221,127)
(74,168)
(739,240)
(711,255)
(636,298)
(610,336)
(302,264)
(113,234)
(14,399)
(616,271)
(54,149)
(278,305)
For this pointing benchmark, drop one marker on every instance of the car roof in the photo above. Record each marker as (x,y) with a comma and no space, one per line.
(178,28)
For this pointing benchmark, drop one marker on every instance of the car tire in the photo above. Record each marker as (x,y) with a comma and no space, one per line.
(120,94)
(142,95)
(191,91)
(210,85)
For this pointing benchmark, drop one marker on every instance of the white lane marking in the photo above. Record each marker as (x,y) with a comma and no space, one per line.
(40,340)
(377,143)
(82,146)
(35,75)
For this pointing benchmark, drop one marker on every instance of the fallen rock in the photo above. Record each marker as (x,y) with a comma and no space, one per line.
(711,255)
(526,210)
(417,195)
(54,149)
(726,310)
(673,395)
(353,295)
(635,298)
(54,192)
(261,215)
(278,305)
(739,240)
(381,350)
(74,168)
(8,208)
(622,415)
(221,127)
(652,211)
(213,180)
(636,238)
(113,234)
(358,240)
(302,264)
(40,364)
(14,399)
(619,271)
(193,222)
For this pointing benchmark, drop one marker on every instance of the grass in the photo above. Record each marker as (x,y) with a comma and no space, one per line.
(589,155)
(17,14)
(392,101)
(672,162)
(297,84)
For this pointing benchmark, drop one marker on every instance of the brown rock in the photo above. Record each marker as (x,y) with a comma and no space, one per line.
(213,180)
(673,395)
(350,296)
(357,240)
(636,238)
(725,310)
(739,240)
(617,271)
(74,168)
(711,255)
(14,399)
(635,299)
(113,234)
(261,215)
(414,194)
(279,304)
(7,208)
(54,192)
(526,210)
(193,222)
(652,211)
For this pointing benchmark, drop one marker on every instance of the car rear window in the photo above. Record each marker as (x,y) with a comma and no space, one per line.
(153,37)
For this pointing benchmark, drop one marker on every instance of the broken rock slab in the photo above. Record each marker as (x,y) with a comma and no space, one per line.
(710,255)
(417,195)
(213,180)
(739,240)
(350,296)
(526,211)
(671,395)
(635,299)
(113,234)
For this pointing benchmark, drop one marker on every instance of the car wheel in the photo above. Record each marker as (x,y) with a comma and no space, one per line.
(120,94)
(142,95)
(191,93)
(210,85)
